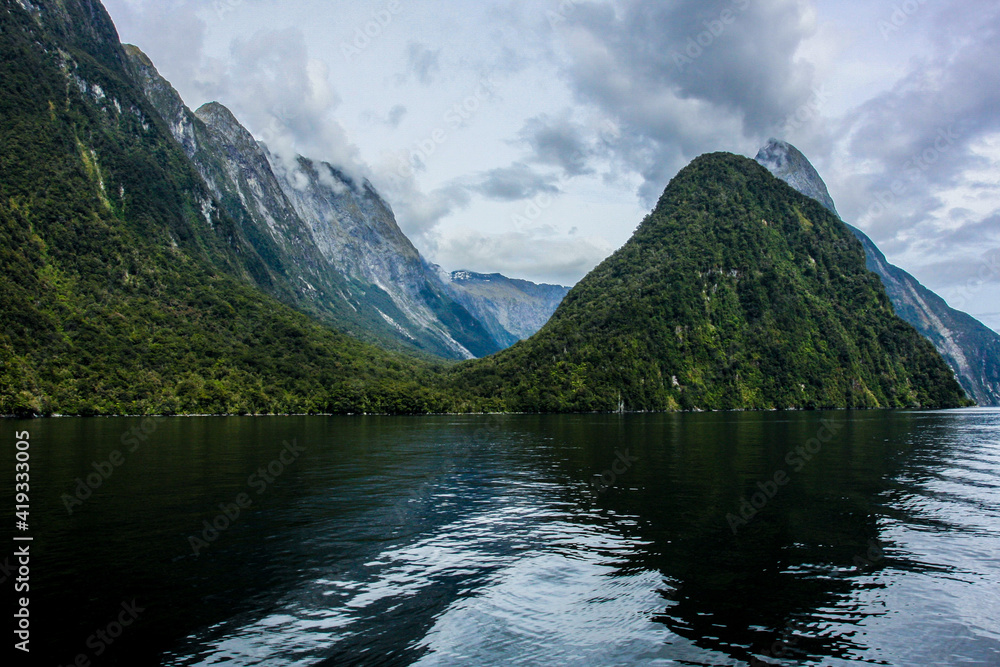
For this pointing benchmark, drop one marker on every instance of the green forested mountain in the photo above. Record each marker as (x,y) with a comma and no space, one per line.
(735,292)
(971,348)
(124,286)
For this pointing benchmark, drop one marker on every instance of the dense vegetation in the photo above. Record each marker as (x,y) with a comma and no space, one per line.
(124,289)
(736,292)
(970,348)
(119,294)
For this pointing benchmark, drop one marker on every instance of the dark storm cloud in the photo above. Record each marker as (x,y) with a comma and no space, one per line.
(974,233)
(683,78)
(518,181)
(649,85)
(558,142)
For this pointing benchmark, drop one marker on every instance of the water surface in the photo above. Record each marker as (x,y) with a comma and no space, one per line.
(521,540)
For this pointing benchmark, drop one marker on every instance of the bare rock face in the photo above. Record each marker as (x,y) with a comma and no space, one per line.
(790,165)
(971,348)
(356,231)
(333,245)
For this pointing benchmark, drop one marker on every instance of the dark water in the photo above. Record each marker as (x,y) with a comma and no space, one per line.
(496,540)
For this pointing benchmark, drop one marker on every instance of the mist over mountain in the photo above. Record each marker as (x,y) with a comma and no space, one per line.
(334,240)
(337,240)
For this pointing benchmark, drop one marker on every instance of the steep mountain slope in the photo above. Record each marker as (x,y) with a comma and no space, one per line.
(735,292)
(511,309)
(126,288)
(970,348)
(335,244)
(356,231)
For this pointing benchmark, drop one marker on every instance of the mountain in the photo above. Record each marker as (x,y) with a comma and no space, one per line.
(970,348)
(126,286)
(736,292)
(356,231)
(511,309)
(331,242)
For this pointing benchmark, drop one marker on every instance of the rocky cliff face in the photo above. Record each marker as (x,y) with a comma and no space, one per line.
(970,348)
(331,243)
(790,165)
(511,309)
(356,231)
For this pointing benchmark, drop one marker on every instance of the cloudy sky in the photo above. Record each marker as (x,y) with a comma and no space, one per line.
(531,137)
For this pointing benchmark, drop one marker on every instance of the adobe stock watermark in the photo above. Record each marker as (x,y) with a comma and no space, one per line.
(372,30)
(604,137)
(805,112)
(621,464)
(102,638)
(104,469)
(987,271)
(902,12)
(791,635)
(561,13)
(870,557)
(795,458)
(531,211)
(794,632)
(229,513)
(456,116)
(913,169)
(714,29)
(405,509)
(224,7)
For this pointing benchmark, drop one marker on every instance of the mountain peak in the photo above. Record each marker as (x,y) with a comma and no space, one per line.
(734,293)
(216,113)
(970,348)
(789,164)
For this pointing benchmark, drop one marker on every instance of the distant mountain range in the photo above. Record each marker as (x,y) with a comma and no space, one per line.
(511,309)
(971,348)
